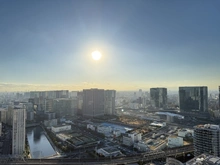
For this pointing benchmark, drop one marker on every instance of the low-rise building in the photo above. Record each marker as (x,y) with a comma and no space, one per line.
(108,152)
(61,128)
(92,127)
(50,123)
(130,138)
(174,141)
(116,133)
(141,146)
(63,136)
(204,159)
(158,124)
(185,132)
(172,161)
(104,129)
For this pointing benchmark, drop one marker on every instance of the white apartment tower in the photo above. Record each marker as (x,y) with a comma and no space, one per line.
(110,102)
(207,139)
(18,131)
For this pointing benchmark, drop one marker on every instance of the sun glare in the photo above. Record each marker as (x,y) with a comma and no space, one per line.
(96,55)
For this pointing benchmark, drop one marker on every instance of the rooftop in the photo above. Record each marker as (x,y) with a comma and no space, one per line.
(204,159)
(110,149)
(208,126)
(60,126)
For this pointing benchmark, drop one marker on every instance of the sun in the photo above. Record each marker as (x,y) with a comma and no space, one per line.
(96,55)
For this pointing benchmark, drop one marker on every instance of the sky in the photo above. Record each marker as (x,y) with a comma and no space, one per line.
(47,44)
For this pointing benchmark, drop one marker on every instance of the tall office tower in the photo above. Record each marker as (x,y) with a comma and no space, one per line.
(0,129)
(93,102)
(158,97)
(9,115)
(193,99)
(219,98)
(110,102)
(207,139)
(140,93)
(48,105)
(18,131)
(3,115)
(80,102)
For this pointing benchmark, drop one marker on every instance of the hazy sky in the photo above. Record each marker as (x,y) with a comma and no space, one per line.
(47,44)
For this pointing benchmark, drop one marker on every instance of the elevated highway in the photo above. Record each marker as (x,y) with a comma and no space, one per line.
(148,156)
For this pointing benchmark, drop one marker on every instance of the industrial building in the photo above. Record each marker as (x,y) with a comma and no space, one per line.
(106,130)
(207,139)
(108,152)
(60,128)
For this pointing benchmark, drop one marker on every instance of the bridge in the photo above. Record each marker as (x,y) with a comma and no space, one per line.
(148,156)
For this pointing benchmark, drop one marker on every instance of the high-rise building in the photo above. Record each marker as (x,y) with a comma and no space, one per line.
(9,115)
(219,98)
(43,99)
(93,102)
(110,102)
(48,105)
(0,129)
(193,99)
(18,131)
(207,139)
(158,97)
(140,93)
(3,115)
(80,102)
(65,106)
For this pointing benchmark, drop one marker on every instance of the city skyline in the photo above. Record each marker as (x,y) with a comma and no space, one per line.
(47,45)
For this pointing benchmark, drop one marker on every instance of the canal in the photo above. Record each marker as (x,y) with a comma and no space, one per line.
(40,147)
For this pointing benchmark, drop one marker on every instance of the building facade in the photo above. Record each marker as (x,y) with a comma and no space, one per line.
(93,102)
(65,106)
(174,141)
(18,131)
(193,99)
(3,115)
(158,97)
(110,102)
(0,129)
(60,128)
(207,139)
(219,98)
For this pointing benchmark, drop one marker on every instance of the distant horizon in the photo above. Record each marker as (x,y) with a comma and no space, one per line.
(47,45)
(6,87)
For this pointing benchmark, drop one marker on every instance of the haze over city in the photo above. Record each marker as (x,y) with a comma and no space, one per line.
(47,45)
